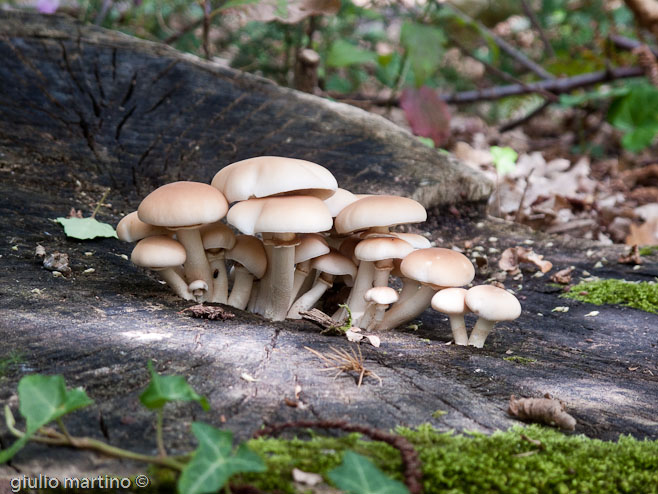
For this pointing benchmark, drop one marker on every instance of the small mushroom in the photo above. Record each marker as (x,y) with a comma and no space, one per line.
(491,304)
(217,238)
(250,262)
(450,301)
(311,245)
(162,254)
(199,289)
(381,297)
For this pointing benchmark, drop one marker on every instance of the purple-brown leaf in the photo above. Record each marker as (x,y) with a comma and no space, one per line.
(427,114)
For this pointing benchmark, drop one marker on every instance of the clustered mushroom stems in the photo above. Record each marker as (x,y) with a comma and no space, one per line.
(286,288)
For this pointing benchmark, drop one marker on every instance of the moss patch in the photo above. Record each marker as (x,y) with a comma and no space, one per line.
(647,251)
(501,463)
(520,360)
(643,295)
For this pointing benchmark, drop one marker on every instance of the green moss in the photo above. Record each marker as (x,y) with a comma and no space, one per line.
(647,251)
(520,360)
(476,463)
(642,295)
(10,361)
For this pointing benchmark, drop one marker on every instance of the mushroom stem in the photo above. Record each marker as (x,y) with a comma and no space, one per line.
(310,298)
(301,273)
(480,332)
(380,278)
(196,265)
(220,281)
(281,276)
(242,286)
(176,283)
(401,312)
(356,300)
(410,288)
(458,327)
(253,298)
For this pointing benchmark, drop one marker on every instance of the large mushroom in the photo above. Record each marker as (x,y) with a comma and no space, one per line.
(132,229)
(163,254)
(491,304)
(451,302)
(184,207)
(433,269)
(279,219)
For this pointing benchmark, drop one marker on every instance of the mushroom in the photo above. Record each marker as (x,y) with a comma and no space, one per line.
(162,254)
(381,297)
(450,301)
(311,245)
(250,261)
(132,229)
(432,268)
(329,265)
(198,289)
(279,219)
(491,304)
(376,214)
(184,207)
(217,238)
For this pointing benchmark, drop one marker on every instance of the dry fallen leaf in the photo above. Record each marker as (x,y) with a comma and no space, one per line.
(545,410)
(631,257)
(645,234)
(563,276)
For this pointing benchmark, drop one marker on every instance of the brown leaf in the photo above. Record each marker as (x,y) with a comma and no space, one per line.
(427,114)
(631,257)
(512,257)
(75,214)
(291,12)
(563,276)
(646,234)
(211,312)
(543,410)
(509,261)
(59,262)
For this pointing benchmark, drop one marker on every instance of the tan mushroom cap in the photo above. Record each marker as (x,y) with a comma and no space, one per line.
(335,264)
(158,252)
(288,214)
(493,303)
(379,248)
(417,241)
(379,211)
(266,176)
(339,201)
(183,204)
(450,301)
(249,252)
(217,236)
(310,245)
(132,229)
(438,266)
(381,295)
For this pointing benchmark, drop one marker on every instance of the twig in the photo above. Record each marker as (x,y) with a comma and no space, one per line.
(206,28)
(100,203)
(501,43)
(628,43)
(410,460)
(535,23)
(525,189)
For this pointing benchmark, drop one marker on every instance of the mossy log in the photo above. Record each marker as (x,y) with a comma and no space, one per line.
(83,109)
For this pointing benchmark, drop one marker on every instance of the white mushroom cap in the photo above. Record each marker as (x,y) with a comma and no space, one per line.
(438,266)
(310,245)
(335,264)
(265,176)
(379,248)
(450,301)
(183,204)
(493,303)
(381,295)
(288,214)
(339,201)
(249,252)
(158,252)
(132,229)
(416,241)
(217,236)
(379,211)
(198,285)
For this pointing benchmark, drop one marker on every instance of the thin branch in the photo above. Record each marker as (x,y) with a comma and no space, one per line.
(206,28)
(501,43)
(628,43)
(530,14)
(526,118)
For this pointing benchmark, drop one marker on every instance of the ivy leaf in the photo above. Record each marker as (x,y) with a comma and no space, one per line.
(42,400)
(343,54)
(163,389)
(358,475)
(504,159)
(424,47)
(214,461)
(427,114)
(86,228)
(635,115)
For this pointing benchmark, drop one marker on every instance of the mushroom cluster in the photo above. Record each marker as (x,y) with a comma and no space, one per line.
(299,235)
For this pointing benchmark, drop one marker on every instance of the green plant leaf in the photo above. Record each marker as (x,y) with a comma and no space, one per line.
(635,114)
(86,228)
(163,389)
(358,475)
(44,399)
(214,461)
(504,159)
(343,54)
(424,47)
